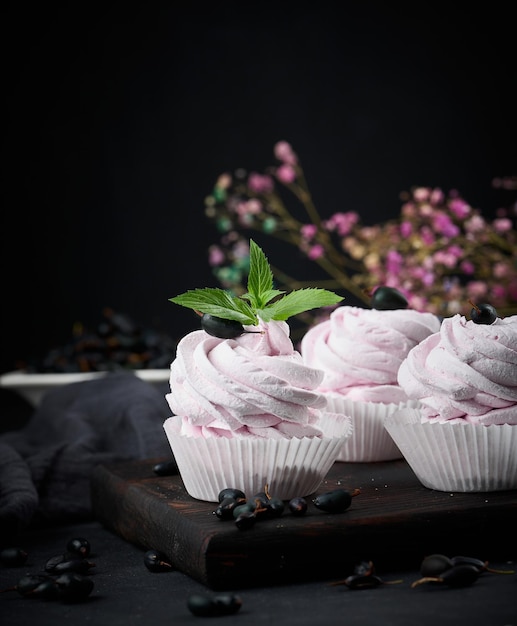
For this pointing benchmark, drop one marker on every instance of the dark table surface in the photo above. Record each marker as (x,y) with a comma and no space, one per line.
(125,592)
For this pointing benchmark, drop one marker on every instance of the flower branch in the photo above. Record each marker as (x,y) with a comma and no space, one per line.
(440,251)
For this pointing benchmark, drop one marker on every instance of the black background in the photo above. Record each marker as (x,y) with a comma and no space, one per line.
(119,118)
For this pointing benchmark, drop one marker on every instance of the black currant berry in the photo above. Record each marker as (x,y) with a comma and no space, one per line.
(435,564)
(483,313)
(467,560)
(261,498)
(335,501)
(225,508)
(68,563)
(267,505)
(276,507)
(483,566)
(364,577)
(28,583)
(245,520)
(460,575)
(227,604)
(74,587)
(79,546)
(166,468)
(388,298)
(230,492)
(456,576)
(156,561)
(362,581)
(261,505)
(47,590)
(364,568)
(219,327)
(203,605)
(297,506)
(13,557)
(222,328)
(245,507)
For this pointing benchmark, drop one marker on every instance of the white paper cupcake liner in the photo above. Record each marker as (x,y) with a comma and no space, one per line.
(458,457)
(290,467)
(370,441)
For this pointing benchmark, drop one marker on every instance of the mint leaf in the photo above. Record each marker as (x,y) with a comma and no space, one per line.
(247,308)
(217,302)
(260,278)
(267,296)
(297,302)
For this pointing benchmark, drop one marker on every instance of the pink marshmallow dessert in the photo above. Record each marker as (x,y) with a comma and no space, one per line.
(463,437)
(360,351)
(246,412)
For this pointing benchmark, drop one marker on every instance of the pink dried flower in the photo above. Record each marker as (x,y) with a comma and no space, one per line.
(286,174)
(437,197)
(443,224)
(260,183)
(475,224)
(506,182)
(426,210)
(224,181)
(502,225)
(498,292)
(372,262)
(251,207)
(316,252)
(406,228)
(476,289)
(369,233)
(394,261)
(512,290)
(283,152)
(427,236)
(424,275)
(421,194)
(215,255)
(445,258)
(460,208)
(501,270)
(241,249)
(467,267)
(342,222)
(408,209)
(419,303)
(455,251)
(308,231)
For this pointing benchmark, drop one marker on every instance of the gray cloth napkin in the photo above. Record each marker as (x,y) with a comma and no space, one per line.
(45,467)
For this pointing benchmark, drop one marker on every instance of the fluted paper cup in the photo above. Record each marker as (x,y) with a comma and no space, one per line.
(370,441)
(289,467)
(456,457)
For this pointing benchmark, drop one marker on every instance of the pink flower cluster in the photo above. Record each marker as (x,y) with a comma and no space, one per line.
(440,251)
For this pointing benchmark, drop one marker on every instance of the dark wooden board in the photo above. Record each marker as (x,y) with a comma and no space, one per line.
(394,522)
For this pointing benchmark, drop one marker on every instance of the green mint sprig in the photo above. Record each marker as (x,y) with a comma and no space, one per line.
(260,301)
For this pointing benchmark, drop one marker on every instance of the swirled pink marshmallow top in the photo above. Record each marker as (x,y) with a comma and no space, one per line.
(360,350)
(466,372)
(254,385)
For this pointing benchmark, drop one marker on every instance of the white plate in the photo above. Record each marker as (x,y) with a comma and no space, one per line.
(32,387)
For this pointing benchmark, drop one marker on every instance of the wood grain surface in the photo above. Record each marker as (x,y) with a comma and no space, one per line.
(394,522)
